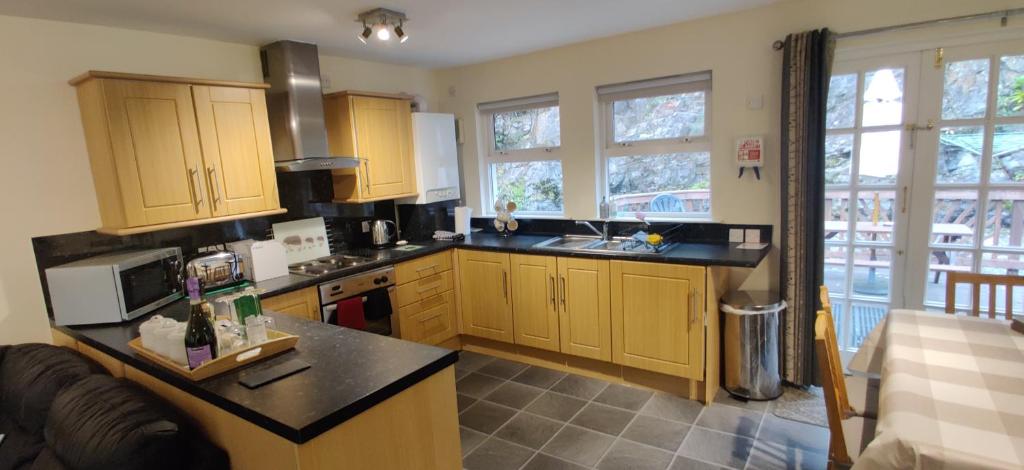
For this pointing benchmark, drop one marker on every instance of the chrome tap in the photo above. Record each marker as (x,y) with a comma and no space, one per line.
(603,233)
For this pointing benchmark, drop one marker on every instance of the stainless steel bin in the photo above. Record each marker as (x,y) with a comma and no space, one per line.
(750,341)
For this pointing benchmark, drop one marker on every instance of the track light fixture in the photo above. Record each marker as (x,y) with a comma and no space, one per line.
(381,22)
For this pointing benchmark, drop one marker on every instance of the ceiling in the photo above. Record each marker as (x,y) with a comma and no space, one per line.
(441,32)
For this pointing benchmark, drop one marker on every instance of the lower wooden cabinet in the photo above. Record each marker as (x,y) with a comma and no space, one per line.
(584,316)
(303,303)
(657,317)
(430,321)
(486,292)
(534,303)
(426,299)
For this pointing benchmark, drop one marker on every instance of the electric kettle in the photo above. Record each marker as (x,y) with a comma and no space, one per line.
(380,236)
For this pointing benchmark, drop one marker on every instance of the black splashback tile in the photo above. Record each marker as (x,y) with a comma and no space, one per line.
(692,232)
(420,221)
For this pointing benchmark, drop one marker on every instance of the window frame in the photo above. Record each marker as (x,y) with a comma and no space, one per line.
(491,155)
(607,95)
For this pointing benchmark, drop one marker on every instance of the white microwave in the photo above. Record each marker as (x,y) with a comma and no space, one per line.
(114,288)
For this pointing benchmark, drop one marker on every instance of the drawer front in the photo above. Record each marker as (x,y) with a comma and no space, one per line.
(422,267)
(425,287)
(431,320)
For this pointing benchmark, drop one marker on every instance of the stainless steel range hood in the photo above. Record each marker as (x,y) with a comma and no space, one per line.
(296,109)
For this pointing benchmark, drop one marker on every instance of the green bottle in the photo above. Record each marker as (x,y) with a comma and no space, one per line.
(200,337)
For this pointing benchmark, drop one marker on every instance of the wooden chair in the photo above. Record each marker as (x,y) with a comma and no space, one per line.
(857,396)
(976,281)
(848,434)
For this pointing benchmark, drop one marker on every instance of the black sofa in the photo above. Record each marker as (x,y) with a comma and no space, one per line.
(60,410)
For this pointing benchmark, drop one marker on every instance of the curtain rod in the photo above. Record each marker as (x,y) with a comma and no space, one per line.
(1003,15)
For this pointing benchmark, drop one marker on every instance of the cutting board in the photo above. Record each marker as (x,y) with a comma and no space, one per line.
(304,239)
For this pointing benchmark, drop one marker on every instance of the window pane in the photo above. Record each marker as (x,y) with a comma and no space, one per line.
(527,129)
(864,318)
(1004,218)
(960,150)
(879,157)
(940,264)
(838,150)
(966,89)
(1011,86)
(837,213)
(534,186)
(874,215)
(955,216)
(1002,263)
(675,182)
(883,97)
(835,269)
(842,101)
(1008,154)
(659,117)
(871,272)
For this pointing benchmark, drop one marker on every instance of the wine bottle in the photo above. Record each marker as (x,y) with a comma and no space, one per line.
(200,337)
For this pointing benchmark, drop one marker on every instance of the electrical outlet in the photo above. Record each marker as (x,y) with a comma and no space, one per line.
(752,235)
(366,226)
(735,235)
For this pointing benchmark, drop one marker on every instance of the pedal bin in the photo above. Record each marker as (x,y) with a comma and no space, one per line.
(750,342)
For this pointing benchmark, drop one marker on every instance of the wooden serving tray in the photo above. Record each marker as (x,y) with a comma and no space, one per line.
(277,342)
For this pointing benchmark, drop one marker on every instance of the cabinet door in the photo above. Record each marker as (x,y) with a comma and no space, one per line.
(584,308)
(238,158)
(156,151)
(383,130)
(534,311)
(486,294)
(303,303)
(658,317)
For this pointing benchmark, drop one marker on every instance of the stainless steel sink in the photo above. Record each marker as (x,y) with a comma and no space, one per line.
(622,246)
(568,242)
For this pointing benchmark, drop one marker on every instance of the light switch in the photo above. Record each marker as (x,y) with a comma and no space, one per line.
(735,235)
(752,235)
(755,103)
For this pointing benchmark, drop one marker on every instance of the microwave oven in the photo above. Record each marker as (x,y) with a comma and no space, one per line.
(115,287)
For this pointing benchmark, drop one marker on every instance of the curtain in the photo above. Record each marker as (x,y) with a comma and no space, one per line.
(807,65)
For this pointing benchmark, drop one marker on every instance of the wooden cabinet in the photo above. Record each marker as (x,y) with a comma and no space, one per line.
(486,292)
(534,303)
(377,129)
(302,303)
(658,317)
(426,299)
(584,308)
(169,152)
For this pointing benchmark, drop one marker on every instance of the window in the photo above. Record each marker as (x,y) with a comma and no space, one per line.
(657,146)
(522,160)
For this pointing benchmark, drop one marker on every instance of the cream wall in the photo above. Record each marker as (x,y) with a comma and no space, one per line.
(736,47)
(46,180)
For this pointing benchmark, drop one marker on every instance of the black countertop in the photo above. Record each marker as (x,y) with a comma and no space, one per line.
(700,254)
(351,371)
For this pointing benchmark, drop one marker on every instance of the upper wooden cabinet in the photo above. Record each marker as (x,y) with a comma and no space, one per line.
(377,129)
(168,152)
(486,291)
(658,317)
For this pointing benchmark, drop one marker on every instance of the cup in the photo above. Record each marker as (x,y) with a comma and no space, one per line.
(256,329)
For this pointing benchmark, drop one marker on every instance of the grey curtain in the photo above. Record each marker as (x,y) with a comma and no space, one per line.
(807,66)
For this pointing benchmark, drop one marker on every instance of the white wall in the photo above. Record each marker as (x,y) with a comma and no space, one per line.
(736,47)
(46,183)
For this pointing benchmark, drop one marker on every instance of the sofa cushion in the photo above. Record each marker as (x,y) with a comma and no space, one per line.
(19,447)
(47,460)
(31,375)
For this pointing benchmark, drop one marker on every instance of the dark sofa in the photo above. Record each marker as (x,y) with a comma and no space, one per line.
(60,410)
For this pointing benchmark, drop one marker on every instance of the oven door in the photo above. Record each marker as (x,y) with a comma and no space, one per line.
(381,317)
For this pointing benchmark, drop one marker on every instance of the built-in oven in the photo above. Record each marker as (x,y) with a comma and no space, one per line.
(376,293)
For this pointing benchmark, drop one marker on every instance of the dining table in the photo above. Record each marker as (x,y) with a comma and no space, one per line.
(951,393)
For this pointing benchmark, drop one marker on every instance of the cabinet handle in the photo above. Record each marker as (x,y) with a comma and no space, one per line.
(563,291)
(552,278)
(197,188)
(504,285)
(211,174)
(366,165)
(693,306)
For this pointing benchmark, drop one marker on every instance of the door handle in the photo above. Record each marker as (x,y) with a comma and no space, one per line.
(903,209)
(366,166)
(504,285)
(552,279)
(563,291)
(211,174)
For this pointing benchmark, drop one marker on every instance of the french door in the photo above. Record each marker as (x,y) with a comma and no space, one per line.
(924,176)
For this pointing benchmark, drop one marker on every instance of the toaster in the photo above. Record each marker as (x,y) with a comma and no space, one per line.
(216,269)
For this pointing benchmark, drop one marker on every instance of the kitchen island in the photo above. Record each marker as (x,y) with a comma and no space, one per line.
(367,401)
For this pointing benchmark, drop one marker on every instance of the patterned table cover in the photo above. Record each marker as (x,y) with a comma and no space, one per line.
(952,393)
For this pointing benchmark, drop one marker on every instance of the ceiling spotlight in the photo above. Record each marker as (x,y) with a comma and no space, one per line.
(365,34)
(382,21)
(383,33)
(402,37)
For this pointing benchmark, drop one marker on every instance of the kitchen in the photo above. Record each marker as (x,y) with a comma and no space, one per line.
(407,216)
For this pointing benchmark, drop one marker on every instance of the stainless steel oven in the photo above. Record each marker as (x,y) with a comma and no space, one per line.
(375,289)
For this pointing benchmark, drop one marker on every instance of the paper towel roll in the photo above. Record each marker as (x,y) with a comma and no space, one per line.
(462,216)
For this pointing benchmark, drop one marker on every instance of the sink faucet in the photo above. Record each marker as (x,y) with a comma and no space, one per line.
(603,233)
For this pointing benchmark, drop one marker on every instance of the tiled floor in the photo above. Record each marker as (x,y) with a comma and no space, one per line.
(515,416)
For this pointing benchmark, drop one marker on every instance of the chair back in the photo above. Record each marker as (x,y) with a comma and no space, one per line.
(976,281)
(666,203)
(832,342)
(833,388)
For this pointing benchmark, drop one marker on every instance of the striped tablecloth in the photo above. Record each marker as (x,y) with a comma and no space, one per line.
(952,393)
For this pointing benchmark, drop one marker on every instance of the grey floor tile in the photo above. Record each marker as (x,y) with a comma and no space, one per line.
(460,373)
(547,462)
(539,377)
(502,368)
(791,434)
(464,401)
(686,463)
(771,456)
(514,395)
(496,454)
(716,447)
(730,419)
(580,386)
(657,432)
(477,385)
(725,398)
(623,396)
(529,430)
(556,406)
(606,419)
(471,361)
(664,405)
(579,445)
(628,455)
(485,417)
(469,439)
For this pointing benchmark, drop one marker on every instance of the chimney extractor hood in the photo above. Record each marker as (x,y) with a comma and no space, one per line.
(296,109)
